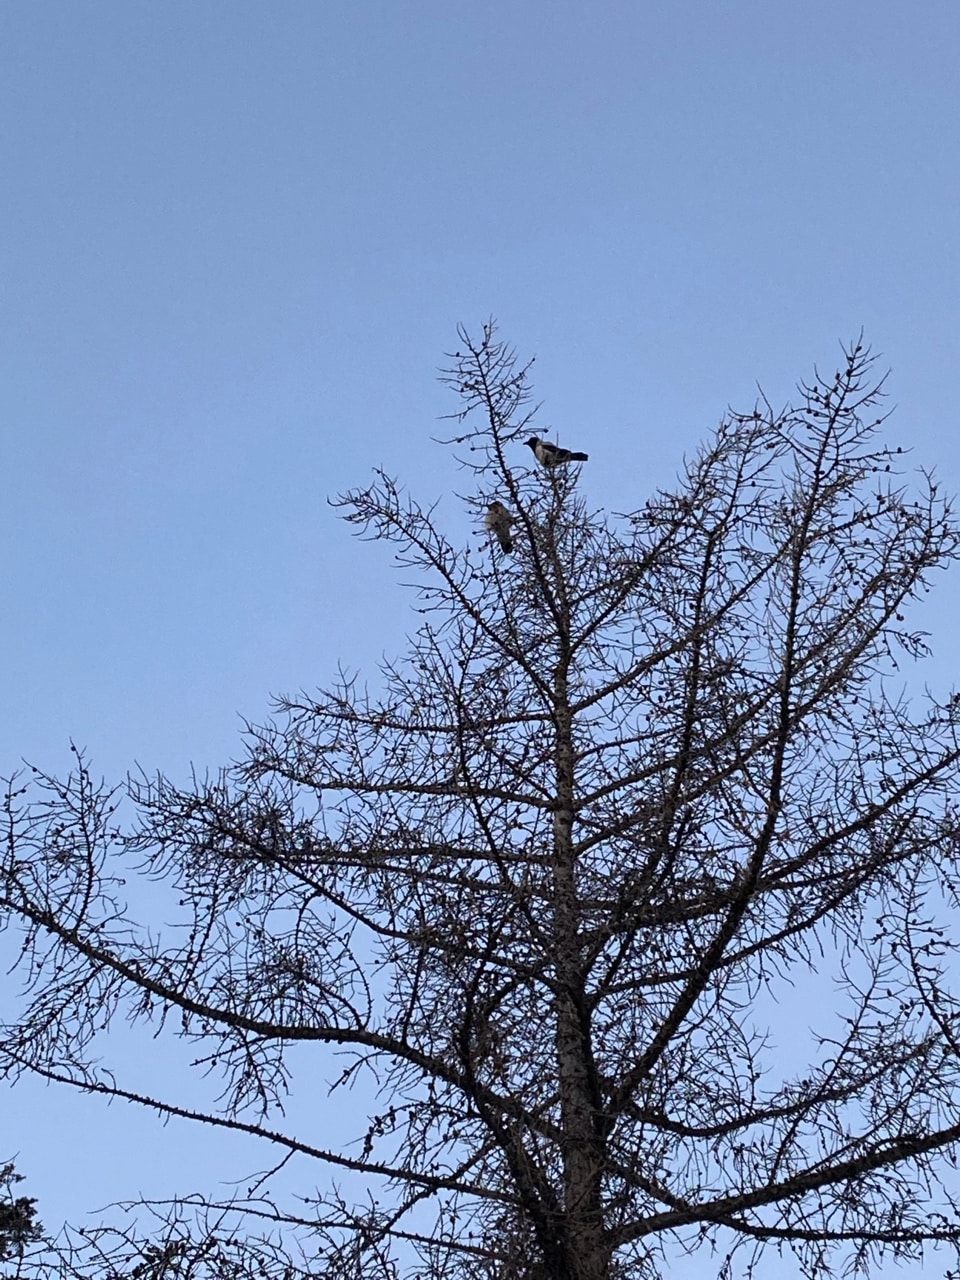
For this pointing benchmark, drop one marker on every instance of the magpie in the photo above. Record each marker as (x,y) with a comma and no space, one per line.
(498,521)
(551,455)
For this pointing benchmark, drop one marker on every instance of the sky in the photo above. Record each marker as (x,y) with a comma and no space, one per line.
(236,240)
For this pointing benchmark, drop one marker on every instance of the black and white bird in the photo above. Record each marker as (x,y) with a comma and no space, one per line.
(498,521)
(551,455)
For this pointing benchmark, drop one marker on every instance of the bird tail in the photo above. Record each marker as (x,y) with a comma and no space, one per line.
(579,457)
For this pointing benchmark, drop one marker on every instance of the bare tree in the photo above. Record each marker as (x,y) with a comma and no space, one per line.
(549,886)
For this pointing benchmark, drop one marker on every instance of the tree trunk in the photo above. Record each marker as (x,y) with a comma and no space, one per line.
(586,1255)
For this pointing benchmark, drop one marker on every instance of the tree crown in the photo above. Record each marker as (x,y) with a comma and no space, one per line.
(545,883)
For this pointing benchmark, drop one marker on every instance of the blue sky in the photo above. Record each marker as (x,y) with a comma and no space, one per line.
(237,239)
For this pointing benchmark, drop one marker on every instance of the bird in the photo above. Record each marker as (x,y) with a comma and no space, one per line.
(551,455)
(498,520)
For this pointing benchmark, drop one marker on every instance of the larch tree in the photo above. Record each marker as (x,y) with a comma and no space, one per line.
(542,896)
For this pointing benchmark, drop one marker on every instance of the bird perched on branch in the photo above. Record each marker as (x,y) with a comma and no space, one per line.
(498,521)
(551,455)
